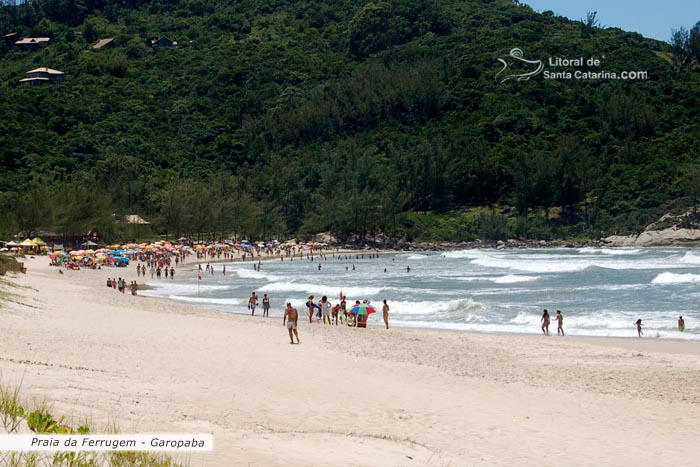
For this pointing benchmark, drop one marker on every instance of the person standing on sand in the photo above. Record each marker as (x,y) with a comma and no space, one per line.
(560,323)
(252,303)
(385,312)
(311,306)
(290,320)
(545,322)
(266,306)
(681,324)
(334,313)
(326,310)
(639,327)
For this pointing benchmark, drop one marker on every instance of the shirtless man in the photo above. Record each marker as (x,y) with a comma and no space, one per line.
(290,320)
(252,303)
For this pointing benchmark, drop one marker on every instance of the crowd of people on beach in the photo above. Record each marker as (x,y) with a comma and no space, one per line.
(121,285)
(325,312)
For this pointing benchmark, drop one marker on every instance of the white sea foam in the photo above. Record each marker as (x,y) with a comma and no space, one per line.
(438,309)
(466,254)
(509,279)
(208,301)
(416,257)
(609,251)
(690,258)
(177,288)
(248,274)
(666,278)
(533,266)
(332,291)
(514,279)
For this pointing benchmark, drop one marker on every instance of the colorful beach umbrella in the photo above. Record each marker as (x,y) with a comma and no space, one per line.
(363,309)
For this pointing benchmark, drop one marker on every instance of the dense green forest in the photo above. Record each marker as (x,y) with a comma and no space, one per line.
(281,118)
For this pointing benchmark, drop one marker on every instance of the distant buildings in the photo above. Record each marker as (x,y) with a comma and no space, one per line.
(163,42)
(103,43)
(39,76)
(32,42)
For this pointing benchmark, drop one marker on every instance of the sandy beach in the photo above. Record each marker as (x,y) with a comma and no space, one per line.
(344,397)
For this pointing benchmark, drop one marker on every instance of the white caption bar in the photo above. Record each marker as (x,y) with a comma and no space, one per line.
(150,442)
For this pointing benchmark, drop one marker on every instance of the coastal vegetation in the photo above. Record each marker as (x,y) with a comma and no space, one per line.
(287,118)
(16,417)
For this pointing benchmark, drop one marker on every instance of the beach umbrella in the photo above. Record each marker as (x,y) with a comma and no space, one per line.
(363,309)
(27,242)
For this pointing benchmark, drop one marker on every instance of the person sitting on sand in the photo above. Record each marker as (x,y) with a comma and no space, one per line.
(290,320)
(639,327)
(681,324)
(545,322)
(560,323)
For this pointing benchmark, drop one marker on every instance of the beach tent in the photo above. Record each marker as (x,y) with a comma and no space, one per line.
(11,244)
(38,241)
(27,242)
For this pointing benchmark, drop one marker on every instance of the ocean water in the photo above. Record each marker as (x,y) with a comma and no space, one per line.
(600,291)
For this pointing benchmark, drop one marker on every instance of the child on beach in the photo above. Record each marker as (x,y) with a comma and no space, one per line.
(639,327)
(560,323)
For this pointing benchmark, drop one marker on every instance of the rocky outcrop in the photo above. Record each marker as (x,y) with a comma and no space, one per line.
(672,236)
(667,231)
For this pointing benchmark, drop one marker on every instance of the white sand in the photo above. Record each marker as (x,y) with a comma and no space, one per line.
(345,396)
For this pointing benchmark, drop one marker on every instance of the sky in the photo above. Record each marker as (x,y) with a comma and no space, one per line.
(650,18)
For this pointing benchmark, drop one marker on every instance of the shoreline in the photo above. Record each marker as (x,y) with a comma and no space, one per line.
(372,397)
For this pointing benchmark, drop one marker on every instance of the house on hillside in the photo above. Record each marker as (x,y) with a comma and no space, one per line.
(103,43)
(31,43)
(39,76)
(10,38)
(164,42)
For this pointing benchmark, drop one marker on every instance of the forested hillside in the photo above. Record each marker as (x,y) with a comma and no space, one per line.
(281,117)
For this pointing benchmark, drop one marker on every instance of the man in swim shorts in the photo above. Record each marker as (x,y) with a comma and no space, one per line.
(290,320)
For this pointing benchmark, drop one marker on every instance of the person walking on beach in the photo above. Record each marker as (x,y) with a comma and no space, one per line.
(560,323)
(681,324)
(266,306)
(290,320)
(639,327)
(545,322)
(172,273)
(252,303)
(385,312)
